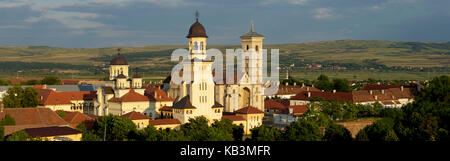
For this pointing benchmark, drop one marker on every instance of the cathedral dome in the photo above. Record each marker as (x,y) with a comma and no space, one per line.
(197,30)
(119,61)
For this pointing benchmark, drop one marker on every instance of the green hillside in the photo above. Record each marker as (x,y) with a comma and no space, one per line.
(351,58)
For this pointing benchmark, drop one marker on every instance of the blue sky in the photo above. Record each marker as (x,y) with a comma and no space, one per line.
(105,23)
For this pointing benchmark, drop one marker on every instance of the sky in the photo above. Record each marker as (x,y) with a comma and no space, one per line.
(106,23)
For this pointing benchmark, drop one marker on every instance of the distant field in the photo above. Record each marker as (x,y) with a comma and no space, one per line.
(154,61)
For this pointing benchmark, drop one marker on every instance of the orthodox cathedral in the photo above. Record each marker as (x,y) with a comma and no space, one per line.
(241,101)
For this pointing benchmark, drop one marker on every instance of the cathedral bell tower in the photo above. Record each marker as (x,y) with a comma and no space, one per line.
(252,42)
(118,66)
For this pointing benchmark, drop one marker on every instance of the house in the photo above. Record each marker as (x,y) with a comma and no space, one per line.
(287,91)
(76,118)
(55,133)
(288,115)
(162,124)
(140,120)
(131,101)
(158,99)
(253,117)
(388,97)
(26,118)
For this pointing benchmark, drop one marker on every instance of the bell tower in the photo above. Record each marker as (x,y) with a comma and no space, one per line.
(197,39)
(252,43)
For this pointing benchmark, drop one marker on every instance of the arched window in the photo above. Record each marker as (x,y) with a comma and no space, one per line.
(257,48)
(247,48)
(201,45)
(195,46)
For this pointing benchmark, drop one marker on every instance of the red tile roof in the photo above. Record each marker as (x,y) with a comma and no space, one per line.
(131,96)
(31,117)
(164,122)
(273,104)
(166,108)
(341,96)
(50,97)
(299,109)
(156,94)
(233,117)
(359,96)
(51,131)
(76,118)
(248,110)
(379,86)
(133,115)
(291,89)
(296,110)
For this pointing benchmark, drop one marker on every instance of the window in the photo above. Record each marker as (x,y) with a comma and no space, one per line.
(201,45)
(257,49)
(195,46)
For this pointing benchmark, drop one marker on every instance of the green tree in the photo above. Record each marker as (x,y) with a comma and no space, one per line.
(337,133)
(238,132)
(7,120)
(31,82)
(30,98)
(51,80)
(380,130)
(266,133)
(117,129)
(90,136)
(13,98)
(362,135)
(196,129)
(18,136)
(371,81)
(4,83)
(341,85)
(302,130)
(323,83)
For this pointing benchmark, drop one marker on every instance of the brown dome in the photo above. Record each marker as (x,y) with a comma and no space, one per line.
(119,61)
(197,30)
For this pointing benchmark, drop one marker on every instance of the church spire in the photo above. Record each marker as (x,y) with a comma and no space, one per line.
(197,14)
(253,26)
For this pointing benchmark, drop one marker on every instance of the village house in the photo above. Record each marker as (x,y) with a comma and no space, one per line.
(140,120)
(388,97)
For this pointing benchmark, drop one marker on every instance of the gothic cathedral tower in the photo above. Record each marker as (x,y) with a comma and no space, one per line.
(252,43)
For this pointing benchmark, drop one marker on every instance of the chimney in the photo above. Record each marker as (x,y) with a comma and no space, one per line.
(150,82)
(295,84)
(370,92)
(378,83)
(287,83)
(393,97)
(155,94)
(376,98)
(44,86)
(303,84)
(334,91)
(401,88)
(312,85)
(309,94)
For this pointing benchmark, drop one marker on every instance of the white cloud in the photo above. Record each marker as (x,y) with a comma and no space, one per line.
(324,13)
(297,2)
(74,20)
(293,2)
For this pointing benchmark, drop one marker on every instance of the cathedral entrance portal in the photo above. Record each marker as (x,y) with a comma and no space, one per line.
(245,97)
